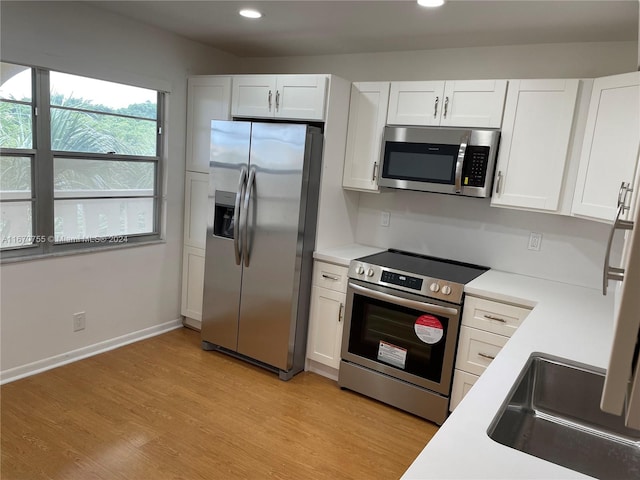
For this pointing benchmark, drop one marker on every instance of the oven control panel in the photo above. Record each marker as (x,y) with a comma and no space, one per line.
(420,285)
(401,280)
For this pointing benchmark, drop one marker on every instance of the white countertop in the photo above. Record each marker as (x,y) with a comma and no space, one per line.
(571,322)
(344,254)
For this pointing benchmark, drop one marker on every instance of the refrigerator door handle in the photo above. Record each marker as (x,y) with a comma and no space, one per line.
(237,216)
(245,211)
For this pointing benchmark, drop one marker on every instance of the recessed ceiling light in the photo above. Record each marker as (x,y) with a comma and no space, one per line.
(431,3)
(249,13)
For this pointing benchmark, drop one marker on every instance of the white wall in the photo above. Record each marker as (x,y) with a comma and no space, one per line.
(517,61)
(468,229)
(121,291)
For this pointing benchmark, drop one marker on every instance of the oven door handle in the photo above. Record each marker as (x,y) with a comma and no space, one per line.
(404,302)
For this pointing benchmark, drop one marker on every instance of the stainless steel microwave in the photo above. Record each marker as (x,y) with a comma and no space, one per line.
(458,161)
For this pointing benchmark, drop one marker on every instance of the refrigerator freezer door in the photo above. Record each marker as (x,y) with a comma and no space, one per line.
(274,243)
(229,157)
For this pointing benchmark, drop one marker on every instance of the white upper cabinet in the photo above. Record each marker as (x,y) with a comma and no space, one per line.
(460,103)
(610,148)
(473,103)
(536,134)
(367,117)
(415,103)
(280,96)
(209,98)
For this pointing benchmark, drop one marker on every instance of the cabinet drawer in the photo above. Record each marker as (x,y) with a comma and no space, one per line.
(462,383)
(492,316)
(477,349)
(328,275)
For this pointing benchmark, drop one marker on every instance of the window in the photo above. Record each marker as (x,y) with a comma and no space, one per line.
(79,162)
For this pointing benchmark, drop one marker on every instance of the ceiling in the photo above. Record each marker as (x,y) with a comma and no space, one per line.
(309,27)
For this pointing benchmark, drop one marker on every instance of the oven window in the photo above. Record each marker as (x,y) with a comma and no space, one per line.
(421,162)
(403,338)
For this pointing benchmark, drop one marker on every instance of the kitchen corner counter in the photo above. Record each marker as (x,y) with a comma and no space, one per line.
(344,254)
(567,321)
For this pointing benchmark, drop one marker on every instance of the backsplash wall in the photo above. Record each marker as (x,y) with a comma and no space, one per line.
(469,230)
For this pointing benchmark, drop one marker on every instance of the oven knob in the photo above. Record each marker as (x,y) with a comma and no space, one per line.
(370,272)
(446,290)
(360,270)
(434,287)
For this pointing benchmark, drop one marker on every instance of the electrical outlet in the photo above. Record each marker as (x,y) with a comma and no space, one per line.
(535,241)
(385,217)
(79,321)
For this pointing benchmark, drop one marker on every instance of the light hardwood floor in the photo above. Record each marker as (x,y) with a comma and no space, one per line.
(164,409)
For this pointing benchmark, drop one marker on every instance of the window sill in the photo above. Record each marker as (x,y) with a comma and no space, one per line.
(83,251)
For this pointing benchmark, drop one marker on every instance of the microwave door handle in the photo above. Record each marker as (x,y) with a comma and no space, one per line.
(460,161)
(404,302)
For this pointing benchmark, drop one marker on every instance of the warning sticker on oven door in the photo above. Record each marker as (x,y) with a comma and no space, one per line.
(429,329)
(391,354)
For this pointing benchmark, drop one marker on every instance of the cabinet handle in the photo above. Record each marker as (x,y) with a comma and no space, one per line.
(341,312)
(614,273)
(622,196)
(446,106)
(269,98)
(375,171)
(491,317)
(330,277)
(486,355)
(435,107)
(499,183)
(277,100)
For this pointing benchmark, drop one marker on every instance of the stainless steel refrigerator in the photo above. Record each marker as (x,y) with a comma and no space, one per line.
(263,199)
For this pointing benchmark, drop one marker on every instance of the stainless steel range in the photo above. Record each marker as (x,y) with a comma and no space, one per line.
(403,315)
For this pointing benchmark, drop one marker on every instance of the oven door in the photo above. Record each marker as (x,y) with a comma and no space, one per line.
(400,334)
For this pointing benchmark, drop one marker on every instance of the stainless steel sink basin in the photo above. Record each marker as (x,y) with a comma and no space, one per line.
(553,412)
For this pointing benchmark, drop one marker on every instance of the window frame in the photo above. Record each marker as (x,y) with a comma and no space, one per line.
(42,179)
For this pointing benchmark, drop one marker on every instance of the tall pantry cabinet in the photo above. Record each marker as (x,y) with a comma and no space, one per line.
(208,98)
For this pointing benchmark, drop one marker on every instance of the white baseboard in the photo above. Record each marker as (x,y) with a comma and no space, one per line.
(321,369)
(29,369)
(192,323)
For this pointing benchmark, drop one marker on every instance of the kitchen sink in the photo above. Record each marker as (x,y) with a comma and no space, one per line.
(553,413)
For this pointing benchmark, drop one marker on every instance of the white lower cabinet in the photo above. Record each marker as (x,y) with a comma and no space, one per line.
(486,328)
(326,317)
(192,282)
(462,383)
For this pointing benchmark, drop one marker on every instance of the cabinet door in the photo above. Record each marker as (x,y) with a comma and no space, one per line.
(477,348)
(473,103)
(415,103)
(367,118)
(301,97)
(325,326)
(462,383)
(195,209)
(209,98)
(610,148)
(537,128)
(192,282)
(254,96)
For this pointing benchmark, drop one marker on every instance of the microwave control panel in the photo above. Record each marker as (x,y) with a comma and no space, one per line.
(474,171)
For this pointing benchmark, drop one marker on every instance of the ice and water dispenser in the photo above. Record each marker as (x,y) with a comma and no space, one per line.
(223,214)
